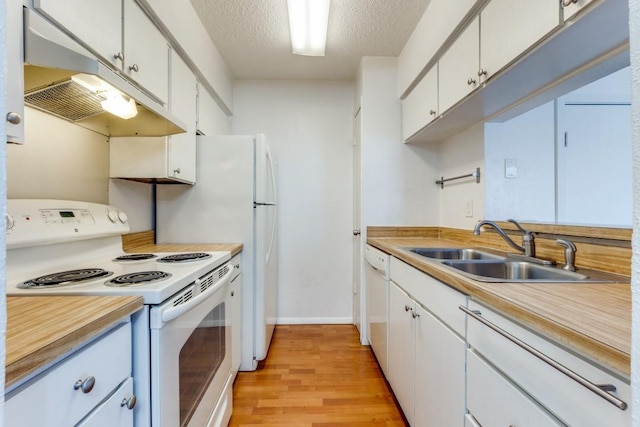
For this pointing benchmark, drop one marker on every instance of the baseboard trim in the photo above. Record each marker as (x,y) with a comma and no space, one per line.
(315,321)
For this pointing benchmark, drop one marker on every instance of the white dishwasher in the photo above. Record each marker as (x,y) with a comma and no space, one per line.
(377,279)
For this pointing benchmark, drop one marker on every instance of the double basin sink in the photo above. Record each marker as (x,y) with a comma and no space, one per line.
(488,267)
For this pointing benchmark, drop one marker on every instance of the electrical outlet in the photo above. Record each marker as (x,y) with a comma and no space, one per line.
(468,208)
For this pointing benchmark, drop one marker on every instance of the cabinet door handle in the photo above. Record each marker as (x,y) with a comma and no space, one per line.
(176,171)
(119,56)
(407,308)
(134,68)
(14,118)
(129,402)
(414,314)
(433,112)
(599,390)
(85,385)
(566,3)
(471,81)
(482,72)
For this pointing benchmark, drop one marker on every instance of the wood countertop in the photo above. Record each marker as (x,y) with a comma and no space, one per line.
(40,329)
(143,242)
(592,318)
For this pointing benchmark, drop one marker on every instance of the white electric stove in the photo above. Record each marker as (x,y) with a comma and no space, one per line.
(57,247)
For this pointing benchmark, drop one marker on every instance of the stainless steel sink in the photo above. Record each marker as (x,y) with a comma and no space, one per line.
(514,271)
(455,254)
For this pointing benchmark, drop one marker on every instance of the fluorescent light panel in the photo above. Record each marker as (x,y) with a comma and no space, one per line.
(308,20)
(115,102)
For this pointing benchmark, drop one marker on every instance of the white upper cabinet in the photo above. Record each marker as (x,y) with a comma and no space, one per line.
(571,7)
(146,52)
(182,147)
(508,28)
(97,24)
(143,53)
(211,119)
(458,67)
(15,76)
(437,24)
(421,105)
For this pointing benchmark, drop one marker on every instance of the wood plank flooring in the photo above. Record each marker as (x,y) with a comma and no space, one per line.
(315,376)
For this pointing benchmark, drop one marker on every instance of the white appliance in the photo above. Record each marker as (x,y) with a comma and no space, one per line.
(57,247)
(234,200)
(377,282)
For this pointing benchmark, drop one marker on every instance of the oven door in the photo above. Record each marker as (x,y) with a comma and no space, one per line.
(191,352)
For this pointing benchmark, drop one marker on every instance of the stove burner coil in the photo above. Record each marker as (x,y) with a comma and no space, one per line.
(134,257)
(65,278)
(185,257)
(138,278)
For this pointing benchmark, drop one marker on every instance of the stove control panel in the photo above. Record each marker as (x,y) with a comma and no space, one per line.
(37,222)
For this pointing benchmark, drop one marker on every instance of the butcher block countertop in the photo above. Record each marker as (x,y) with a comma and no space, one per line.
(592,318)
(40,329)
(143,242)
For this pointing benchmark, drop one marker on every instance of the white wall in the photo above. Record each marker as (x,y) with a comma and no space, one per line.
(460,155)
(59,160)
(634,19)
(393,173)
(529,140)
(309,128)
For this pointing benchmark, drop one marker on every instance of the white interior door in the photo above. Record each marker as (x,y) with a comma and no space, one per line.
(358,295)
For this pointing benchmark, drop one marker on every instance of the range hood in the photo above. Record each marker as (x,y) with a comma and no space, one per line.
(51,58)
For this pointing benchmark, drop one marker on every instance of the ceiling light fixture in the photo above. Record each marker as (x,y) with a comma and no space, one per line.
(308,20)
(114,101)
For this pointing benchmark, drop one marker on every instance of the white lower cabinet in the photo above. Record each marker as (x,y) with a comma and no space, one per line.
(493,400)
(80,387)
(503,374)
(426,353)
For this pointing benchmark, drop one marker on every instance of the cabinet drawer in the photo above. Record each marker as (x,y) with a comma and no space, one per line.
(438,298)
(494,401)
(52,393)
(114,411)
(569,400)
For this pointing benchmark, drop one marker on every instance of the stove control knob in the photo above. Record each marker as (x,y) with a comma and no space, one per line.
(10,222)
(122,217)
(113,216)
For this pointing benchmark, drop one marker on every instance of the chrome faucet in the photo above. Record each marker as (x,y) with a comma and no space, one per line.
(528,247)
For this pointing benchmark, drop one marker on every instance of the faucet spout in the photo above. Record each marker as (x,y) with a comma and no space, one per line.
(527,248)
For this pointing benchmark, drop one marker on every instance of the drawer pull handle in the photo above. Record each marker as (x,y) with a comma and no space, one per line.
(407,308)
(85,385)
(129,402)
(599,390)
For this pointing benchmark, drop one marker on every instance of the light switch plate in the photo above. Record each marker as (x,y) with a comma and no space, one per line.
(468,208)
(510,168)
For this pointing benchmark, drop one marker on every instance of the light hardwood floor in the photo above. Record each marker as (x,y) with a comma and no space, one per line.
(315,376)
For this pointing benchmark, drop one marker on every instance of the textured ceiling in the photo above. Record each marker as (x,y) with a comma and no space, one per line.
(253,36)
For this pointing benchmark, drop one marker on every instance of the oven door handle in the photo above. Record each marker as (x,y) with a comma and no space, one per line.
(175,311)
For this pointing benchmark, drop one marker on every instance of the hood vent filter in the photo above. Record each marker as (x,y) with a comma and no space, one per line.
(65,99)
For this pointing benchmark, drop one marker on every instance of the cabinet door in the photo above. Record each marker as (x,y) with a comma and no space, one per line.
(15,75)
(146,52)
(495,401)
(182,147)
(211,119)
(508,28)
(401,357)
(114,412)
(458,67)
(235,293)
(95,23)
(439,373)
(420,107)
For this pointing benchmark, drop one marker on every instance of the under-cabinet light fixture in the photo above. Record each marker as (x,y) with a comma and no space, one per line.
(308,20)
(113,101)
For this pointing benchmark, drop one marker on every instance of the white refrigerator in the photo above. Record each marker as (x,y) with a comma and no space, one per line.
(233,200)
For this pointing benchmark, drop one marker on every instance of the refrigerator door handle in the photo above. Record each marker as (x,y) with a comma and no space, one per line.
(273,234)
(273,173)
